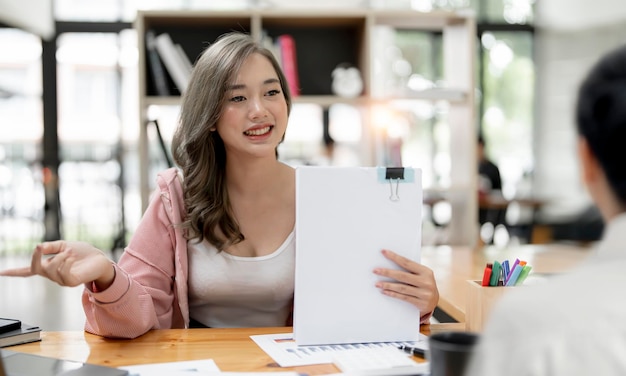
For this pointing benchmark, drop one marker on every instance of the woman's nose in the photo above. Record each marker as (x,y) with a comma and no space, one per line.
(257,108)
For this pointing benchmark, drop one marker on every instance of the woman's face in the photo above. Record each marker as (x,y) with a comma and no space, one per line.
(254,118)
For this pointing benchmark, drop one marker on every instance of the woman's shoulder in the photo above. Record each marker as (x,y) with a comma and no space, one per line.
(170,179)
(170,174)
(170,190)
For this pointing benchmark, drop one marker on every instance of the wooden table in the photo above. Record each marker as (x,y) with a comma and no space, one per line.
(231,349)
(453,266)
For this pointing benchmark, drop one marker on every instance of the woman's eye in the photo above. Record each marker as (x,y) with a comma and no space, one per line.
(273,92)
(238,98)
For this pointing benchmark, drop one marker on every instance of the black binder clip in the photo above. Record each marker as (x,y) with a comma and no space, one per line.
(397,174)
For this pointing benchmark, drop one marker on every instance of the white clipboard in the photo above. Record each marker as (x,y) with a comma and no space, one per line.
(345,216)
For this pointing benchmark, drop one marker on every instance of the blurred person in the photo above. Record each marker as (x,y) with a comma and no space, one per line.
(574,323)
(489,185)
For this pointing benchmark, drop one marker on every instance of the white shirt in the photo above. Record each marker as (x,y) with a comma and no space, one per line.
(574,324)
(232,291)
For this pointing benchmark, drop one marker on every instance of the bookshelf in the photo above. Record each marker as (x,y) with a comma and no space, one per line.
(324,39)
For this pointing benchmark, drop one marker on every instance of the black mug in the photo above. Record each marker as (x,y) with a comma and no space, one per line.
(449,352)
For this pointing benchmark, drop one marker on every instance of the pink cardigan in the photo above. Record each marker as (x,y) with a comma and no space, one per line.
(150,286)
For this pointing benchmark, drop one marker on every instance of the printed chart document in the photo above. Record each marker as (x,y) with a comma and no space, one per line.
(345,217)
(191,368)
(283,349)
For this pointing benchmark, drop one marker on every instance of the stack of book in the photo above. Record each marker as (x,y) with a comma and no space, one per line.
(163,52)
(14,332)
(287,47)
(284,49)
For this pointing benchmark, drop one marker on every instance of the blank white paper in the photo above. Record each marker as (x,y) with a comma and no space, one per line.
(344,218)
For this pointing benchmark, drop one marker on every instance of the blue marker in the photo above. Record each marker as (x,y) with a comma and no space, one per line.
(505,269)
(506,280)
(514,275)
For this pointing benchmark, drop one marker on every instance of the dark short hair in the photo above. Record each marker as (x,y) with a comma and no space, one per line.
(601,116)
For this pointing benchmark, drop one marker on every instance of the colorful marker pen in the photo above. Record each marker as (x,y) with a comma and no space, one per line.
(522,276)
(514,275)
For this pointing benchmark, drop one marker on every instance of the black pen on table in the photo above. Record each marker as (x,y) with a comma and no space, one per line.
(413,350)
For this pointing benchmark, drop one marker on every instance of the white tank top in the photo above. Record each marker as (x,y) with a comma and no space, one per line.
(227,291)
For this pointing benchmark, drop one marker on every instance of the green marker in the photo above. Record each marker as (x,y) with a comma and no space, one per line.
(523,274)
(495,273)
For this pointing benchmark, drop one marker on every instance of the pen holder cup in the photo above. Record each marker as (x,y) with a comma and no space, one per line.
(480,301)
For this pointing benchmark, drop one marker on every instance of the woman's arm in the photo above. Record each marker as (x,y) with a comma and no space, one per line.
(141,296)
(130,298)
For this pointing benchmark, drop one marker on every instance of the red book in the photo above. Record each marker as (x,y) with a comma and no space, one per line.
(289,62)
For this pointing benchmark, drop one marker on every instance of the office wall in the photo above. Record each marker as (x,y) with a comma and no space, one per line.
(566,50)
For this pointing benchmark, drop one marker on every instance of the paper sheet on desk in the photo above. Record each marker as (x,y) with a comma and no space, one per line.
(191,368)
(183,368)
(345,217)
(283,349)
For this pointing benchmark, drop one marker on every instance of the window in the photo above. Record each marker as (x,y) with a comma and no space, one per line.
(508,96)
(96,75)
(97,119)
(21,190)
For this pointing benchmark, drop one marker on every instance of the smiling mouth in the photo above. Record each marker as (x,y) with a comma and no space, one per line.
(258,131)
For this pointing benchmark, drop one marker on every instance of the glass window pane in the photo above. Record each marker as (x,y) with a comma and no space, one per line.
(487,11)
(405,60)
(88,86)
(21,189)
(92,69)
(508,94)
(506,11)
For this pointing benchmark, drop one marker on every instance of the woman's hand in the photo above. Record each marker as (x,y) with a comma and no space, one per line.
(68,264)
(415,284)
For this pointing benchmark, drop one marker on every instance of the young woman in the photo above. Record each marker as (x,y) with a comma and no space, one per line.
(216,245)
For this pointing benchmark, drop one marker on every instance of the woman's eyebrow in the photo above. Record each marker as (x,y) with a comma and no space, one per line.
(272,80)
(235,87)
(243,86)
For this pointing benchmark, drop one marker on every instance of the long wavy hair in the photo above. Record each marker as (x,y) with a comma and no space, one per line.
(199,151)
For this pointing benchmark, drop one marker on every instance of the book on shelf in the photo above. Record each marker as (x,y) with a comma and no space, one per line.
(184,58)
(157,71)
(268,42)
(177,64)
(24,334)
(287,50)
